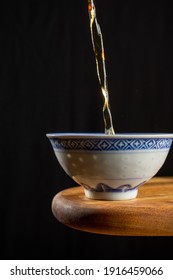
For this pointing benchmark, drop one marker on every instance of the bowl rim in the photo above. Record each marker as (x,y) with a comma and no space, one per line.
(106,136)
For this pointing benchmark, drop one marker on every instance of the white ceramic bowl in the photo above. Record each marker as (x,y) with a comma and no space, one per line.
(111,167)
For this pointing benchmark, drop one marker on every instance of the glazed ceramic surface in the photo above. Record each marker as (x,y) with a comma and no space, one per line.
(111,167)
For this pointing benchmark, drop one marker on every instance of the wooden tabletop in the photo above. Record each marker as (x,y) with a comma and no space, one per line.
(150,214)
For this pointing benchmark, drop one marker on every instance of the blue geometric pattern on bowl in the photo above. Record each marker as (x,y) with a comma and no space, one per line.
(111,144)
(105,188)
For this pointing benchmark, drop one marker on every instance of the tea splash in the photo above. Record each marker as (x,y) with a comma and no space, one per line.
(98,47)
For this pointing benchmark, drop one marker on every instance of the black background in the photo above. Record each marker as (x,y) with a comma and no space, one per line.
(48,83)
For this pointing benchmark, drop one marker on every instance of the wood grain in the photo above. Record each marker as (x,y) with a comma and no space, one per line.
(150,214)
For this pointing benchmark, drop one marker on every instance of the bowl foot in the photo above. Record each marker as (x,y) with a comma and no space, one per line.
(114,195)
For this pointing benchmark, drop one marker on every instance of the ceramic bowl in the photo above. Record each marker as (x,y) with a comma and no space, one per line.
(111,167)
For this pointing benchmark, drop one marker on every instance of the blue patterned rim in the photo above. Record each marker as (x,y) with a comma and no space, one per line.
(110,144)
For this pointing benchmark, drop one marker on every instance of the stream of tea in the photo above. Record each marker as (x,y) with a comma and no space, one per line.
(98,47)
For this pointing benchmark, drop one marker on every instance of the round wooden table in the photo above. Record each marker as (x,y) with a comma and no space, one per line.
(150,214)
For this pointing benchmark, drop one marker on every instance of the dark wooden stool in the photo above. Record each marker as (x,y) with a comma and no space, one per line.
(150,214)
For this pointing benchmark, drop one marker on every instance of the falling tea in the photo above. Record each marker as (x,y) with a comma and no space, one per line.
(98,47)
